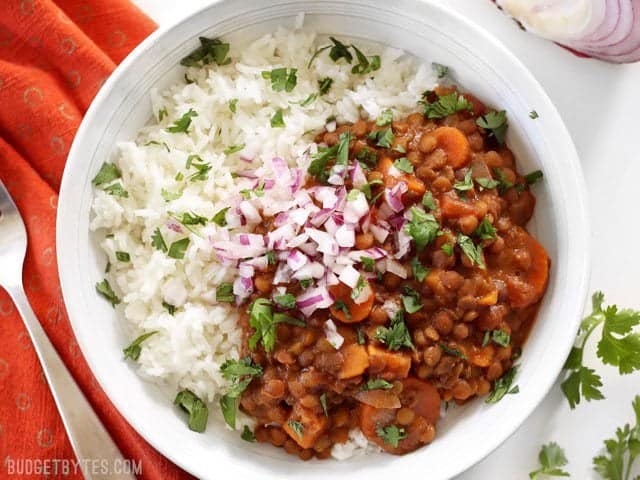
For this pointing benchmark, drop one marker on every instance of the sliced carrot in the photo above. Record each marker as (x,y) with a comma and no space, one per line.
(313,425)
(414,184)
(422,397)
(452,207)
(490,298)
(371,418)
(355,312)
(378,398)
(356,361)
(536,277)
(397,364)
(455,145)
(482,357)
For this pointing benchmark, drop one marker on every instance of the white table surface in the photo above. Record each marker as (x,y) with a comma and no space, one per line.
(599,103)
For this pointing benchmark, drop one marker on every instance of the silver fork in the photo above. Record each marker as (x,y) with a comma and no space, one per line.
(89,439)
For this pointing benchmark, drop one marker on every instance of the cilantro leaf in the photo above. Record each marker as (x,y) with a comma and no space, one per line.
(104,289)
(117,190)
(123,257)
(533,114)
(247,435)
(496,123)
(440,70)
(485,231)
(282,79)
(240,373)
(551,458)
(182,124)
(195,407)
(324,85)
(377,384)
(178,248)
(297,427)
(157,240)
(224,292)
(446,105)
(428,202)
(403,165)
(276,120)
(502,386)
(411,300)
(391,435)
(621,452)
(618,346)
(365,64)
(419,272)
(397,335)
(133,350)
(473,252)
(233,105)
(466,184)
(533,177)
(210,50)
(383,138)
(233,149)
(287,300)
(108,172)
(423,228)
(220,218)
(487,183)
(385,118)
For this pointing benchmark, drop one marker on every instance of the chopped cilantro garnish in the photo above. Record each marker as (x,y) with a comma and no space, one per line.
(287,300)
(446,105)
(473,252)
(210,50)
(377,384)
(340,305)
(123,257)
(428,202)
(440,70)
(195,407)
(104,289)
(485,231)
(466,184)
(496,123)
(368,263)
(502,386)
(419,272)
(423,228)
(108,173)
(411,300)
(134,349)
(277,121)
(282,79)
(396,335)
(324,85)
(233,149)
(157,240)
(385,118)
(182,124)
(224,292)
(220,218)
(178,248)
(403,165)
(233,105)
(391,435)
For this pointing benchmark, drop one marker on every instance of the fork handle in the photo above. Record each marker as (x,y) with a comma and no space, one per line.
(91,443)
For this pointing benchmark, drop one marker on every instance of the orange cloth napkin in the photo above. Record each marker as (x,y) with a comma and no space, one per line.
(54,57)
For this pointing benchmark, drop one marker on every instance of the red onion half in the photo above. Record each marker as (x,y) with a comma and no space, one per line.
(604,29)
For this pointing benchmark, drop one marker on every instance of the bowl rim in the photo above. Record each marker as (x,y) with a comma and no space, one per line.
(93,113)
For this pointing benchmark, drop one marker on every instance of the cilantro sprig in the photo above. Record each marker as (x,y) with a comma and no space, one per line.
(618,346)
(621,451)
(446,105)
(240,373)
(551,458)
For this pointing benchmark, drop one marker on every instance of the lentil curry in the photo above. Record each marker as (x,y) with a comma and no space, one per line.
(448,282)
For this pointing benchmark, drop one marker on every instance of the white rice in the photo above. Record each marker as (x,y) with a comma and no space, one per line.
(191,345)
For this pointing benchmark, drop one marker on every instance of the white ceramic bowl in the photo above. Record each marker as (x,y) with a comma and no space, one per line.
(428,30)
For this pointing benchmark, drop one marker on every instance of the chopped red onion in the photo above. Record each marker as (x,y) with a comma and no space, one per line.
(356,208)
(296,260)
(173,226)
(282,274)
(379,233)
(349,276)
(311,270)
(374,252)
(279,167)
(331,333)
(345,236)
(396,268)
(312,299)
(402,243)
(393,196)
(358,178)
(250,212)
(326,243)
